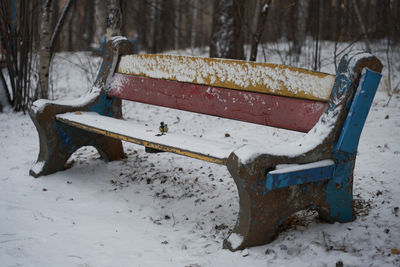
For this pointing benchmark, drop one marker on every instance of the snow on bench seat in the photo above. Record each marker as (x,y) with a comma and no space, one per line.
(195,147)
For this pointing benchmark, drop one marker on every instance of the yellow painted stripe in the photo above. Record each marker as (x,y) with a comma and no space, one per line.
(145,143)
(235,74)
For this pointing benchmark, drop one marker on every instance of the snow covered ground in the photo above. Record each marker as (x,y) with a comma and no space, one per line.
(168,210)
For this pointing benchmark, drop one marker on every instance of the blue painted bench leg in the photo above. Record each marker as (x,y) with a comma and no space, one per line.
(339,193)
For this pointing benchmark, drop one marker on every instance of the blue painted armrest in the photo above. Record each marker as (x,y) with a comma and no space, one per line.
(300,174)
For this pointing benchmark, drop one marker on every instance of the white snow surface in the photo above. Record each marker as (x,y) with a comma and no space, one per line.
(38,105)
(299,167)
(168,210)
(136,131)
(303,144)
(235,240)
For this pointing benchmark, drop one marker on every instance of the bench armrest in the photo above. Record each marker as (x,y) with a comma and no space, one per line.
(300,174)
(68,105)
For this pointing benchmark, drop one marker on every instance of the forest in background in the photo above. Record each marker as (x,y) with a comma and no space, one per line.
(161,25)
(230,28)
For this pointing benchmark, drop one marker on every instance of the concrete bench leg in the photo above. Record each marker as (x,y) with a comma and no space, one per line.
(261,215)
(262,211)
(58,141)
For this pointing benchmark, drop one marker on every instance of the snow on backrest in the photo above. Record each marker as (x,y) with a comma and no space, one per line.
(235,74)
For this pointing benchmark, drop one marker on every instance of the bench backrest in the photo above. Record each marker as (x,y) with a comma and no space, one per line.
(262,93)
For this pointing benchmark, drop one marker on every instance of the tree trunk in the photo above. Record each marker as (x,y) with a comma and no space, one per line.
(4,93)
(60,23)
(227,33)
(300,33)
(100,11)
(256,15)
(154,21)
(317,34)
(261,19)
(194,24)
(71,29)
(363,28)
(142,21)
(44,53)
(113,18)
(177,23)
(165,26)
(54,17)
(89,18)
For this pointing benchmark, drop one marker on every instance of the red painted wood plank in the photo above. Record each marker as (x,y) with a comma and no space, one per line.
(277,111)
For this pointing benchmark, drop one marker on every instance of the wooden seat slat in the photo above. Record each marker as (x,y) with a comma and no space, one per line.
(195,147)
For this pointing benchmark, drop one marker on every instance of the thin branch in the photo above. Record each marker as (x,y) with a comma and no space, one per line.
(60,24)
(363,28)
(262,18)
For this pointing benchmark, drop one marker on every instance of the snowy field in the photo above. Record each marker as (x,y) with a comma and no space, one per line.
(168,210)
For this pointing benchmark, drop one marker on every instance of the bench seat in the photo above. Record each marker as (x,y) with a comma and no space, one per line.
(191,146)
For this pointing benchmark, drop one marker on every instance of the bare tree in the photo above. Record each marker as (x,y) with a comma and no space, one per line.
(177,23)
(114,18)
(59,25)
(194,24)
(300,33)
(165,26)
(363,27)
(154,18)
(261,19)
(17,38)
(227,34)
(318,8)
(88,20)
(44,52)
(100,20)
(47,44)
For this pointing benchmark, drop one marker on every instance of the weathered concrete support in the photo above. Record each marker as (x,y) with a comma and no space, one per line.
(335,137)
(57,140)
(262,211)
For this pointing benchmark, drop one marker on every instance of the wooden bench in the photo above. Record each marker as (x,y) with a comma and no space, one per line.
(273,183)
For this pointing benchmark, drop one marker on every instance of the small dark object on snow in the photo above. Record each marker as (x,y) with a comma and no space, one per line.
(222,226)
(163,128)
(396,211)
(269,251)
